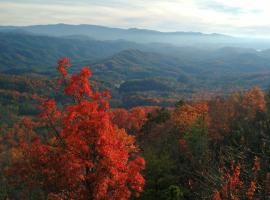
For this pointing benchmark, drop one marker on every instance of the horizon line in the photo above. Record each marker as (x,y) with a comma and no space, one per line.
(122,28)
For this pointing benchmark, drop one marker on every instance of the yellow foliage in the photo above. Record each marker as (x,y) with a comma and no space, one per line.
(186,115)
(16,153)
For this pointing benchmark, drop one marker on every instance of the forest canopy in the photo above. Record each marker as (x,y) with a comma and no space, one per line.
(80,148)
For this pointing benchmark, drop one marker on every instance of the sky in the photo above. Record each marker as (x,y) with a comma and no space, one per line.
(233,17)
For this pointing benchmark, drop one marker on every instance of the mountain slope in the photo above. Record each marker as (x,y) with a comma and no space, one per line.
(132,69)
(25,51)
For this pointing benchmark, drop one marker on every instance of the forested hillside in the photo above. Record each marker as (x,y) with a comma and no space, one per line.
(170,72)
(21,50)
(72,145)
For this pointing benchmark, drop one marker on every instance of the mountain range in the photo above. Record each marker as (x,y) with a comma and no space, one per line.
(135,69)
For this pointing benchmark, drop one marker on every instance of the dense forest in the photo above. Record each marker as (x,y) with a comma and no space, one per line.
(61,139)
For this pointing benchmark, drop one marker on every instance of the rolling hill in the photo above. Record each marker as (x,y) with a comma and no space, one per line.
(138,73)
(20,50)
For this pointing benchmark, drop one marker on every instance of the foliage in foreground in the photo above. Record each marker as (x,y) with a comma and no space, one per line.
(79,148)
(71,151)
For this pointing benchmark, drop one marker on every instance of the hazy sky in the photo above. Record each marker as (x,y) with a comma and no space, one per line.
(236,17)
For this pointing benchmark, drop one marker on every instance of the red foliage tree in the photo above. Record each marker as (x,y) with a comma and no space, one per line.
(120,117)
(233,187)
(131,120)
(84,155)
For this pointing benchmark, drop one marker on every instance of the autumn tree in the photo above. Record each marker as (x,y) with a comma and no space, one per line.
(221,112)
(186,115)
(132,120)
(80,153)
(253,101)
(235,186)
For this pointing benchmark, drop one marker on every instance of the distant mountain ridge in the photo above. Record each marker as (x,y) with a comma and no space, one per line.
(133,34)
(145,36)
(87,28)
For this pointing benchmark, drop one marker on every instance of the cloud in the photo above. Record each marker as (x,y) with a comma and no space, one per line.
(220,7)
(225,16)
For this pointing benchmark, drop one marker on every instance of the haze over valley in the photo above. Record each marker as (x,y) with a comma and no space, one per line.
(172,64)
